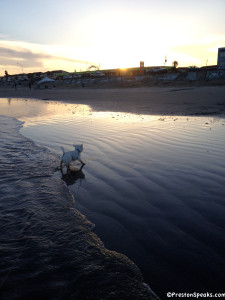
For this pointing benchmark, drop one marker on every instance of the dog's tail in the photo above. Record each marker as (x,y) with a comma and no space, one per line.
(63,150)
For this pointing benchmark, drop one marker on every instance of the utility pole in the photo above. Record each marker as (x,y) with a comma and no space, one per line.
(21,66)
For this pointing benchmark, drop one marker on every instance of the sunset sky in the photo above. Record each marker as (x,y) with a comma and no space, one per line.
(36,36)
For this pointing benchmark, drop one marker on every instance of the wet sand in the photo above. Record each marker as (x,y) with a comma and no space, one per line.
(208,100)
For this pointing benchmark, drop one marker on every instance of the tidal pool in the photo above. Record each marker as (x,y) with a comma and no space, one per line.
(154,186)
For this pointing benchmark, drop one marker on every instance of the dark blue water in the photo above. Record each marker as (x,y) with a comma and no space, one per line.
(47,248)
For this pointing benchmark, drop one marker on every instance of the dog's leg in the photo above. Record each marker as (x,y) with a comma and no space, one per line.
(68,169)
(81,162)
(61,168)
(81,167)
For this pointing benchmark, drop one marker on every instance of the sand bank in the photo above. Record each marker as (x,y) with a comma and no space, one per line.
(144,100)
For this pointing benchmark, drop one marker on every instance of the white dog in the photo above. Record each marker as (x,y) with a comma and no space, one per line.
(70,156)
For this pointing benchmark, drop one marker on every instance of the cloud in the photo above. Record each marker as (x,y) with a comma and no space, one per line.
(200,51)
(10,57)
(15,55)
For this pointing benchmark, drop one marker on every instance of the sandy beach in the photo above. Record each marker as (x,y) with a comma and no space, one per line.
(144,100)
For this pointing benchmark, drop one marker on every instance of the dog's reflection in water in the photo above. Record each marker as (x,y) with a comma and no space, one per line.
(74,174)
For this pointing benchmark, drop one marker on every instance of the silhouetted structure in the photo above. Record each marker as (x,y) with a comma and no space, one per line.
(221,59)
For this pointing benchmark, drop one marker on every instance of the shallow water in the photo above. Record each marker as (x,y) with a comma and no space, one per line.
(152,185)
(48,249)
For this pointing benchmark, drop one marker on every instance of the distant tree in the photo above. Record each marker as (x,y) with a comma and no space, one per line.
(6,74)
(175,64)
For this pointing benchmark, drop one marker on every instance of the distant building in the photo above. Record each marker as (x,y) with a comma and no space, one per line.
(221,59)
(142,65)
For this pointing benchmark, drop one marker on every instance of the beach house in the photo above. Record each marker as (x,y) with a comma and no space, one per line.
(221,58)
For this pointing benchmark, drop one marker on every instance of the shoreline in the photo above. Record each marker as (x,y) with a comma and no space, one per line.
(173,100)
(91,270)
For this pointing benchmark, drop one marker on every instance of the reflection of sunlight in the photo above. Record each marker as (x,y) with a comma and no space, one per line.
(42,112)
(39,112)
(67,113)
(54,124)
(34,112)
(123,117)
